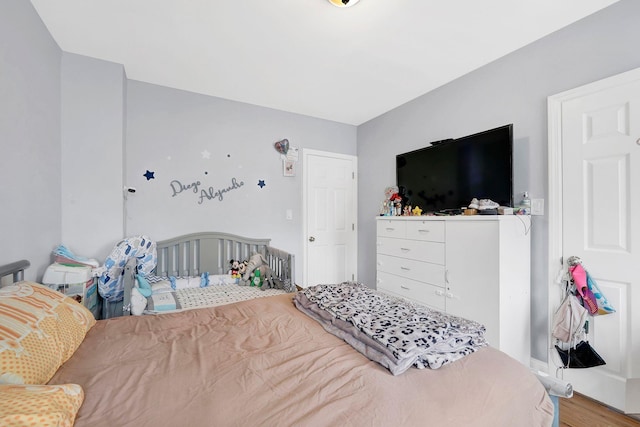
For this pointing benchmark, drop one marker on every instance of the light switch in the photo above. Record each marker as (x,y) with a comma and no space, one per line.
(537,206)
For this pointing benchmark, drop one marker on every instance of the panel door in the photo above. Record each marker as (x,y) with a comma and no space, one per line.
(601,201)
(331,214)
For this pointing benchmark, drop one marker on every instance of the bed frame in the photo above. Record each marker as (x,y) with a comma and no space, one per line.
(15,269)
(194,254)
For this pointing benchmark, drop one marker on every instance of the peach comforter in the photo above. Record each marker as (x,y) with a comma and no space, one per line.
(263,362)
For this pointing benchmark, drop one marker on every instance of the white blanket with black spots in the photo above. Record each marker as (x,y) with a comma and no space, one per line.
(388,330)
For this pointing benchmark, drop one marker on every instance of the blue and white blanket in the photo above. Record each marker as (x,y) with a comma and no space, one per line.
(391,331)
(110,281)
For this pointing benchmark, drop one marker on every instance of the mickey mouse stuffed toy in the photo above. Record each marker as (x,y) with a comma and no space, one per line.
(235,269)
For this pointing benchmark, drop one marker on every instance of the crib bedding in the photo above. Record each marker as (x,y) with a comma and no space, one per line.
(213,296)
(263,362)
(221,289)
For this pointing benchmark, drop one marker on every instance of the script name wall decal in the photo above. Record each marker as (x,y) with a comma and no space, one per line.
(211,193)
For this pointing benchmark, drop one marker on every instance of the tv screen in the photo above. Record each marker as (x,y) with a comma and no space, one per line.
(448,174)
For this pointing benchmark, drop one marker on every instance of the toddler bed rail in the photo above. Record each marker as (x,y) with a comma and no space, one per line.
(15,269)
(197,253)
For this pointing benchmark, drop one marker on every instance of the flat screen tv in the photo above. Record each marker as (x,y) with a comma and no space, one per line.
(446,175)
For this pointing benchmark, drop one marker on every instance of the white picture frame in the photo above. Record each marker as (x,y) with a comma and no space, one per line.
(288,168)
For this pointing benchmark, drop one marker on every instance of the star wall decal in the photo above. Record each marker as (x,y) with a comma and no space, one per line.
(149,175)
(206,154)
(261,183)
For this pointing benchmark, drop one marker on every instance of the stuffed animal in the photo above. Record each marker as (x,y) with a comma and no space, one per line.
(255,261)
(265,276)
(234,271)
(242,268)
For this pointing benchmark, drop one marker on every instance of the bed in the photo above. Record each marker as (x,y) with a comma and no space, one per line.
(263,362)
(206,253)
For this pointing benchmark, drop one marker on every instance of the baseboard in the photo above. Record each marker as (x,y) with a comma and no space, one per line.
(538,365)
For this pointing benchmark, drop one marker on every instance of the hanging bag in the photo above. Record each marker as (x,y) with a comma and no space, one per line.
(569,319)
(580,356)
(588,291)
(568,326)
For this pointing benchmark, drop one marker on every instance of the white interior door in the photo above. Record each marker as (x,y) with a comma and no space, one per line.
(330,209)
(598,127)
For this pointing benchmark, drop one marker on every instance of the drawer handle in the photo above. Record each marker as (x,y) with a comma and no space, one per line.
(405,249)
(406,288)
(390,229)
(405,268)
(423,231)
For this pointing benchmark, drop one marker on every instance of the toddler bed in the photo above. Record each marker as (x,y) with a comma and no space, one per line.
(193,272)
(257,362)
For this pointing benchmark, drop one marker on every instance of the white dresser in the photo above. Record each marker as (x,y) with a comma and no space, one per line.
(476,267)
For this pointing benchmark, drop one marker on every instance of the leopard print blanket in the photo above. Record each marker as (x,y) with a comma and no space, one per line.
(391,331)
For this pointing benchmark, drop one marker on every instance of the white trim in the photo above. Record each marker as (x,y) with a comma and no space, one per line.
(538,365)
(306,153)
(554,117)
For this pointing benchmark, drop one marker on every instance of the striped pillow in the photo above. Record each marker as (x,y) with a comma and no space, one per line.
(39,330)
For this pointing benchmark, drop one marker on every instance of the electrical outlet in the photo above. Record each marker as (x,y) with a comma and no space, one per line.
(537,206)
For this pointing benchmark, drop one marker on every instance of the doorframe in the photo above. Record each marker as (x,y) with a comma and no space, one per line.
(554,116)
(306,153)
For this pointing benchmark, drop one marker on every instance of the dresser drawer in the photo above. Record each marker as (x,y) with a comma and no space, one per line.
(391,228)
(425,230)
(422,293)
(412,249)
(412,269)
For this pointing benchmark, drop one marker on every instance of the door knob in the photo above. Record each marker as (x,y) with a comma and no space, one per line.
(312,239)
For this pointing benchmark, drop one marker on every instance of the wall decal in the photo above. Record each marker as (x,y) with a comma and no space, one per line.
(261,183)
(149,175)
(210,193)
(206,154)
(177,187)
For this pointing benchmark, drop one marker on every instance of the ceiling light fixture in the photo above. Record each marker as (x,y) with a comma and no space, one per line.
(343,3)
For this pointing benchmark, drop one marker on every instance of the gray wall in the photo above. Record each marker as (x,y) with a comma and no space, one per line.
(513,89)
(29,138)
(167,132)
(65,154)
(92,129)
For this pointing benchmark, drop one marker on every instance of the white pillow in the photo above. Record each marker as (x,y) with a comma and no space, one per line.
(138,302)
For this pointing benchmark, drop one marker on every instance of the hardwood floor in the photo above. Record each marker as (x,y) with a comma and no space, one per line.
(581,411)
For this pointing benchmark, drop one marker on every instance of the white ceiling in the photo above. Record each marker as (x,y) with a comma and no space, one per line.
(305,56)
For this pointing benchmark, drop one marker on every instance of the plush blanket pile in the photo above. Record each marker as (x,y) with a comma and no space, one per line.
(391,331)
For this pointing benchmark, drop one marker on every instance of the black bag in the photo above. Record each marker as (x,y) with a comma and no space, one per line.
(581,356)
